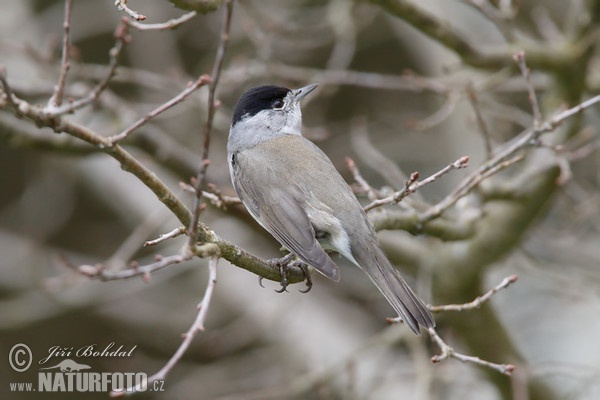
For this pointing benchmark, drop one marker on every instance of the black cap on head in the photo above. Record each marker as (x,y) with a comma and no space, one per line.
(257,99)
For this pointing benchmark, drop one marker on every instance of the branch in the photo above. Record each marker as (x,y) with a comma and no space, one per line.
(519,58)
(192,87)
(449,352)
(57,97)
(188,337)
(412,185)
(430,26)
(122,6)
(123,38)
(170,24)
(506,282)
(212,106)
(483,129)
(169,235)
(543,56)
(101,273)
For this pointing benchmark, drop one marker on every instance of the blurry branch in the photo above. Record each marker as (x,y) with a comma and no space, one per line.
(496,16)
(444,228)
(483,129)
(430,26)
(407,81)
(506,282)
(170,24)
(188,337)
(122,6)
(541,55)
(519,58)
(370,155)
(438,116)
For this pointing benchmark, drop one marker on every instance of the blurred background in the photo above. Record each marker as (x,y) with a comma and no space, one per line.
(393,95)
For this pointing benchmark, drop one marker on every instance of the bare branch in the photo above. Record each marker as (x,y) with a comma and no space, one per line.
(192,87)
(170,24)
(465,188)
(188,337)
(104,274)
(449,352)
(364,185)
(526,72)
(506,282)
(483,129)
(123,38)
(122,6)
(412,185)
(10,97)
(165,236)
(57,97)
(212,106)
(439,116)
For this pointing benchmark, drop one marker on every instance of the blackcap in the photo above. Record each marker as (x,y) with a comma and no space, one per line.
(294,192)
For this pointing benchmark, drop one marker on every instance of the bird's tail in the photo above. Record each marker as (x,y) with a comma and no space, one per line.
(405,302)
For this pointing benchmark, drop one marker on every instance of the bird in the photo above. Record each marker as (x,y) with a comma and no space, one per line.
(292,189)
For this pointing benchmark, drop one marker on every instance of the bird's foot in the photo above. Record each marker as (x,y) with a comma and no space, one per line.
(307,278)
(284,264)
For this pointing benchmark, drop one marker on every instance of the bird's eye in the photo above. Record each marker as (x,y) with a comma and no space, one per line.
(278,104)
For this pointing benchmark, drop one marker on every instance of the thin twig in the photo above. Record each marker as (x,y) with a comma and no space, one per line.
(449,352)
(212,107)
(519,58)
(188,337)
(364,185)
(57,97)
(122,38)
(122,6)
(165,236)
(192,87)
(412,185)
(170,24)
(506,282)
(101,273)
(218,199)
(465,188)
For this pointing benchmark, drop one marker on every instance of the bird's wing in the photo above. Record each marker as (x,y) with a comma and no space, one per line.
(280,212)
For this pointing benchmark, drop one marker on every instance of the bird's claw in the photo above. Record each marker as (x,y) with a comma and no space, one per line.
(283,264)
(307,277)
(283,268)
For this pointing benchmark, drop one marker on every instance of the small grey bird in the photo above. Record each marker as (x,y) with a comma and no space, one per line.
(293,190)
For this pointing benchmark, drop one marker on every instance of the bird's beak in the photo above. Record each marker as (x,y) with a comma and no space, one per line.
(302,92)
